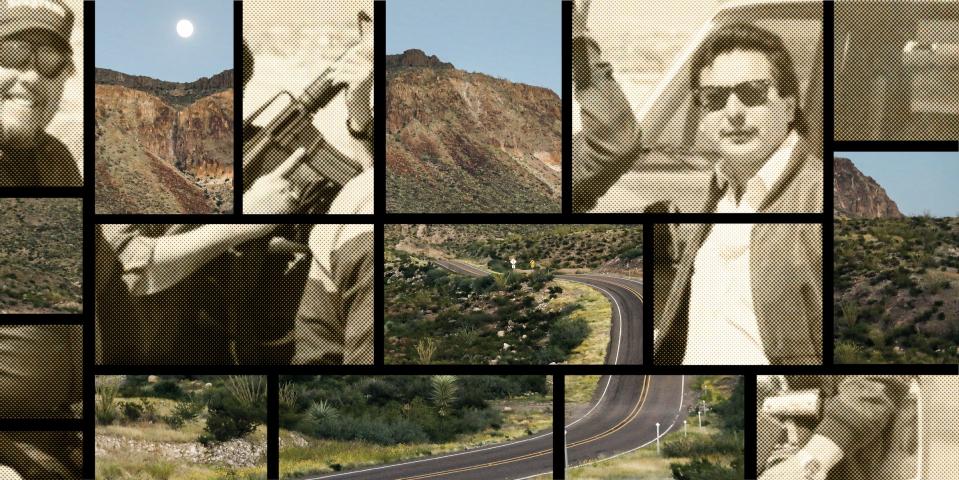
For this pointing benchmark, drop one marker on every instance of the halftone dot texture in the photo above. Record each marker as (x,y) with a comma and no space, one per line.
(887,427)
(41,52)
(897,70)
(290,43)
(664,160)
(729,294)
(205,295)
(41,368)
(46,455)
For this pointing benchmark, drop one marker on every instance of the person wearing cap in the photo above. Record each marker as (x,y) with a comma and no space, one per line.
(35,62)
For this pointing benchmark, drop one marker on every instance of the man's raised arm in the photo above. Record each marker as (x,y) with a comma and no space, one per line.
(606,147)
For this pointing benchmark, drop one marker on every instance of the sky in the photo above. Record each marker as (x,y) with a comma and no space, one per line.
(519,40)
(139,38)
(915,181)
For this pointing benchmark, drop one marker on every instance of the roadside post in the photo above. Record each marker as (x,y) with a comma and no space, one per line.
(657,437)
(685,431)
(565,452)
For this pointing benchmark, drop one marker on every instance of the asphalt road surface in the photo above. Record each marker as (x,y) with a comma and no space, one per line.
(624,414)
(462,268)
(626,298)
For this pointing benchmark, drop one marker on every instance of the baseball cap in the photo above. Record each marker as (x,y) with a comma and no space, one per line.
(49,15)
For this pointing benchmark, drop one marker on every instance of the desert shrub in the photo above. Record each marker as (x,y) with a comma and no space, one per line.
(104,409)
(184,411)
(703,469)
(567,333)
(168,389)
(131,411)
(229,417)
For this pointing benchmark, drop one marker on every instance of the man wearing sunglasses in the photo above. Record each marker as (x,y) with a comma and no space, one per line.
(35,62)
(745,97)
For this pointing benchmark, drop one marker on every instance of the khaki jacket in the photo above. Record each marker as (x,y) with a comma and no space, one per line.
(785,272)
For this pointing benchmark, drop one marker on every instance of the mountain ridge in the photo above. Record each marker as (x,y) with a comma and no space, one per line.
(469,142)
(858,195)
(174,93)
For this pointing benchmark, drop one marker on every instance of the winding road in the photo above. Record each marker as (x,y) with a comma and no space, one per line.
(621,418)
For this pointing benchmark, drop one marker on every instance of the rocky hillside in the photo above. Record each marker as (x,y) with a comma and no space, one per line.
(156,157)
(896,290)
(41,266)
(468,142)
(858,195)
(173,93)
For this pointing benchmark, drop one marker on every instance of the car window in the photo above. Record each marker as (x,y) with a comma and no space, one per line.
(682,132)
(897,74)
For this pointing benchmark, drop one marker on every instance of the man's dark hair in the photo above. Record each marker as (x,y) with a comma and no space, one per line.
(750,38)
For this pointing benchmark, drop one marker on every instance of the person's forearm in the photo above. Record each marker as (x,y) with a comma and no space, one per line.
(177,256)
(610,139)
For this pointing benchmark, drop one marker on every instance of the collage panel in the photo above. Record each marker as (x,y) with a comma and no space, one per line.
(896,70)
(181,426)
(41,372)
(164,107)
(654,426)
(41,454)
(415,426)
(308,107)
(884,427)
(738,294)
(513,294)
(677,101)
(896,257)
(41,256)
(474,114)
(41,138)
(234,294)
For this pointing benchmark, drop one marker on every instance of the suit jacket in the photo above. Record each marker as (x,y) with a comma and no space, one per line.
(785,271)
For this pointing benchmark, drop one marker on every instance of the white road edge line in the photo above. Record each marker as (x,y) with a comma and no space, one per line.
(619,340)
(482,449)
(682,390)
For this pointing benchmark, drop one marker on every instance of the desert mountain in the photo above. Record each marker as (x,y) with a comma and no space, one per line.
(468,142)
(859,196)
(173,93)
(157,154)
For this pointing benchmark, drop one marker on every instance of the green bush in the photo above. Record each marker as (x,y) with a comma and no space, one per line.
(131,411)
(228,418)
(168,389)
(703,469)
(567,333)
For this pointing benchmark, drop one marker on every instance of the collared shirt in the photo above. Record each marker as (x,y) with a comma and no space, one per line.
(723,328)
(757,188)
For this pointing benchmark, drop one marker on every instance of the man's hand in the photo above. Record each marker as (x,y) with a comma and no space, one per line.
(355,69)
(812,462)
(273,192)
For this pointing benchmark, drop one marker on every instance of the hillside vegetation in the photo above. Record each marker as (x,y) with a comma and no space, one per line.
(896,290)
(41,247)
(343,422)
(553,246)
(435,316)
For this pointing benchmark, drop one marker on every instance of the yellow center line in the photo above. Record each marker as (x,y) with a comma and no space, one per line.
(602,279)
(619,426)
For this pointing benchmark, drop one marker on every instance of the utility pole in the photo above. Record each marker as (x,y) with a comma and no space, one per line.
(657,437)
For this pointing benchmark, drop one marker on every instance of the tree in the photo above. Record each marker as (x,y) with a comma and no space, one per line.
(444,392)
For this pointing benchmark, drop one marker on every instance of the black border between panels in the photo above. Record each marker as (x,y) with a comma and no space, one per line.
(559,426)
(828,341)
(566,172)
(237,107)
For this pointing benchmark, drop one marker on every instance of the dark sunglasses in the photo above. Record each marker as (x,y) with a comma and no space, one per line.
(47,59)
(751,94)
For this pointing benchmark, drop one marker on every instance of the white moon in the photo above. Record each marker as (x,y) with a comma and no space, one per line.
(184,28)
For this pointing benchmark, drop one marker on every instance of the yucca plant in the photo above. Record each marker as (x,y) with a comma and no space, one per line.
(322,410)
(444,392)
(247,389)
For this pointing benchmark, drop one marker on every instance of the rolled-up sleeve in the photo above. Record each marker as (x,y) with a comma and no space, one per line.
(335,321)
(134,249)
(610,139)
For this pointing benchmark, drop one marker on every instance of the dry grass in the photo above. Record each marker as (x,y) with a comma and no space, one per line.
(597,313)
(530,414)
